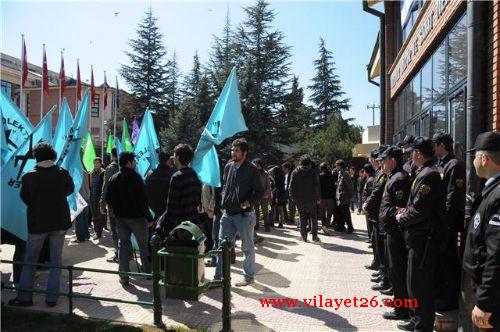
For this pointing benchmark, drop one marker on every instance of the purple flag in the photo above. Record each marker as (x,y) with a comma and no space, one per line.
(135,130)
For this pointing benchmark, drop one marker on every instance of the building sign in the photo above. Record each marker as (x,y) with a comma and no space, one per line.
(414,46)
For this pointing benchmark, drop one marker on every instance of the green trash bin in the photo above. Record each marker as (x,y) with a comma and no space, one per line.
(184,270)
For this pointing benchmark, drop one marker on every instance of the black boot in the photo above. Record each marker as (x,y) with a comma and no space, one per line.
(381,286)
(406,326)
(395,314)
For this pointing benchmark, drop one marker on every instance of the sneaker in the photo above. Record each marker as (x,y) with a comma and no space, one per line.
(244,282)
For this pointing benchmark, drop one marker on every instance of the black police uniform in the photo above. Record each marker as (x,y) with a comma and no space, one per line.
(396,192)
(482,251)
(409,168)
(373,209)
(448,268)
(367,191)
(420,223)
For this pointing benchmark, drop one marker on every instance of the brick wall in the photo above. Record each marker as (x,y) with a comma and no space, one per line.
(390,8)
(493,93)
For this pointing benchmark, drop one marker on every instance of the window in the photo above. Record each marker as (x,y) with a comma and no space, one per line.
(28,104)
(417,104)
(439,117)
(7,88)
(439,70)
(425,126)
(427,84)
(408,101)
(458,52)
(95,106)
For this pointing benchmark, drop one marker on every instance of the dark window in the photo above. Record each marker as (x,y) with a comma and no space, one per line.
(408,104)
(457,113)
(7,88)
(427,84)
(458,52)
(439,70)
(439,117)
(95,106)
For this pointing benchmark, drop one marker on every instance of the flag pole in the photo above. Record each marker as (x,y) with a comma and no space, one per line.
(116,109)
(60,86)
(76,86)
(102,117)
(41,91)
(21,103)
(91,100)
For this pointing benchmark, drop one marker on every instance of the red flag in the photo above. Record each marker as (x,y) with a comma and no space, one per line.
(25,65)
(92,90)
(62,77)
(78,82)
(45,73)
(105,92)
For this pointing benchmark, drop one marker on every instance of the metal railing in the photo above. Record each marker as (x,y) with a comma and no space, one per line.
(157,282)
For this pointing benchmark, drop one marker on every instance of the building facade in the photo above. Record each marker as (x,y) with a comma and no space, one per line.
(431,83)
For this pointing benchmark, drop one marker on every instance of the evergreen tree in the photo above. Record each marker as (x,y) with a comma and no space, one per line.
(196,88)
(183,127)
(327,94)
(264,58)
(192,81)
(172,88)
(146,73)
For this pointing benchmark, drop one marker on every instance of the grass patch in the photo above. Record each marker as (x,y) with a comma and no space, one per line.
(17,320)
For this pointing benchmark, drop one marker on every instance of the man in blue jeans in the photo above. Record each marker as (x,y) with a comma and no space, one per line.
(44,190)
(242,188)
(126,194)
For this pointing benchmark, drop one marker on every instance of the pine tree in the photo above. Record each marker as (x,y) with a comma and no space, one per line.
(183,127)
(146,73)
(192,81)
(291,117)
(327,94)
(264,58)
(172,88)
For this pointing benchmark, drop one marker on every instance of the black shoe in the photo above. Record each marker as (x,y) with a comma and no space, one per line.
(51,303)
(316,239)
(396,314)
(376,274)
(124,283)
(304,238)
(368,241)
(381,286)
(376,279)
(372,266)
(370,246)
(406,326)
(350,230)
(280,225)
(18,303)
(388,292)
(258,239)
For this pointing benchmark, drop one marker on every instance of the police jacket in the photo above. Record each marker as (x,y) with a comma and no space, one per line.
(373,201)
(482,249)
(396,192)
(453,182)
(368,187)
(425,205)
(409,168)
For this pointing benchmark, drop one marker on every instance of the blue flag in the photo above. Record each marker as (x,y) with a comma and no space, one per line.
(118,145)
(13,208)
(70,158)
(16,126)
(146,145)
(63,127)
(225,121)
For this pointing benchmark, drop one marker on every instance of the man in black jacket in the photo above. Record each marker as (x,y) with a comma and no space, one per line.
(448,263)
(126,194)
(242,188)
(327,204)
(422,221)
(482,250)
(111,170)
(158,184)
(44,190)
(397,190)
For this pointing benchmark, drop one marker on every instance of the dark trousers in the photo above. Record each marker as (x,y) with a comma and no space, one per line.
(345,217)
(262,205)
(277,213)
(308,211)
(19,251)
(369,227)
(381,254)
(206,225)
(290,211)
(396,265)
(326,207)
(374,235)
(420,280)
(448,273)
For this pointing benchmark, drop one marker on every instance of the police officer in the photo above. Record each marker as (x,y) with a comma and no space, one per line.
(453,188)
(396,192)
(482,249)
(372,208)
(420,221)
(408,166)
(368,173)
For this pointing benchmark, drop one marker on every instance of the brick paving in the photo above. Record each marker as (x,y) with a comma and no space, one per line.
(287,267)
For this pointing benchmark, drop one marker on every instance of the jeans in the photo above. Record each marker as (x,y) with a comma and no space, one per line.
(33,248)
(242,223)
(125,228)
(82,225)
(215,237)
(19,252)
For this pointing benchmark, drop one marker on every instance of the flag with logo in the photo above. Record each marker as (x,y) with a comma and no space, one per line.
(225,121)
(126,141)
(146,145)
(63,127)
(13,210)
(16,126)
(88,153)
(70,157)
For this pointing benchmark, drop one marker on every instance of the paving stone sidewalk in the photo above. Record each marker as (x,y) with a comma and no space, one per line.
(286,267)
